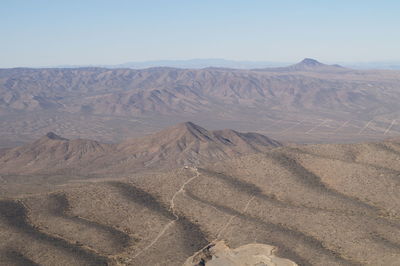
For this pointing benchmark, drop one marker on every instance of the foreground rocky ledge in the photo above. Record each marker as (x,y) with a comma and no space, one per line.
(219,254)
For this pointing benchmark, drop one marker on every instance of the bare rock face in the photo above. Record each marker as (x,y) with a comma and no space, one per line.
(219,254)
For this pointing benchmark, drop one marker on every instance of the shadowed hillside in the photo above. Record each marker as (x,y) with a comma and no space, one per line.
(331,204)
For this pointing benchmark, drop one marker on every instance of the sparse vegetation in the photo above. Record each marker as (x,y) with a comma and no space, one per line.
(326,204)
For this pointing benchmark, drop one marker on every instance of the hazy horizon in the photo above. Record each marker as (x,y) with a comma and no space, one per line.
(48,33)
(198,63)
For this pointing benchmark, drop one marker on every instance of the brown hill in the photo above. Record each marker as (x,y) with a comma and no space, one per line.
(52,152)
(189,144)
(183,144)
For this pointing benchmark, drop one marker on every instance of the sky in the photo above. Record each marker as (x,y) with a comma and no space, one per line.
(88,32)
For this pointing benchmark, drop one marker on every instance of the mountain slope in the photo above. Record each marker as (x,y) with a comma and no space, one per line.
(187,143)
(326,204)
(183,144)
(308,84)
(52,152)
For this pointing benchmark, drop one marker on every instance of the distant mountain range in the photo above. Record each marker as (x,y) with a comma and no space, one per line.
(113,104)
(308,85)
(189,63)
(236,64)
(374,65)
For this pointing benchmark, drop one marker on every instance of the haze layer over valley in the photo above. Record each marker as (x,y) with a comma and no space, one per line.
(307,102)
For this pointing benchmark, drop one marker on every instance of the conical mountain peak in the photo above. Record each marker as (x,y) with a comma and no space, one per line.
(310,62)
(54,136)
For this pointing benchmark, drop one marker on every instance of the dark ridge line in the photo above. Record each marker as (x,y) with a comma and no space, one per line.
(283,250)
(246,187)
(62,209)
(194,238)
(314,181)
(376,167)
(273,200)
(394,143)
(304,176)
(14,213)
(143,198)
(18,258)
(385,147)
(386,242)
(382,220)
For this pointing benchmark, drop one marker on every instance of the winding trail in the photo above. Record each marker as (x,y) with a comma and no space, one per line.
(172,208)
(234,216)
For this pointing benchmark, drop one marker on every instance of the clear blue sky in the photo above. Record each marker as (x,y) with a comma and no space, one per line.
(58,32)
